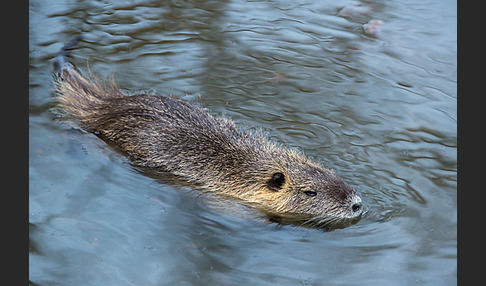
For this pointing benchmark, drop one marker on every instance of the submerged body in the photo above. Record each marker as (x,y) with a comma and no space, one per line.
(176,137)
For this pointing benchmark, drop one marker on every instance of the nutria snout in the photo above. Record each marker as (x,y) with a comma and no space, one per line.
(174,136)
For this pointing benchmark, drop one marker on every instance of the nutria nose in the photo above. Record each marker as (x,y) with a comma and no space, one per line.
(356,207)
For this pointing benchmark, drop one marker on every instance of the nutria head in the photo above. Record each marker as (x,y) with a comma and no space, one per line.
(292,186)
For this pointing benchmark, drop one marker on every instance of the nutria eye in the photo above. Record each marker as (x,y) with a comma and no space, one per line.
(310,193)
(276,182)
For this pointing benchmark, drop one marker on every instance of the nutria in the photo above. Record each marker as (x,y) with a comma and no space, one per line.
(174,136)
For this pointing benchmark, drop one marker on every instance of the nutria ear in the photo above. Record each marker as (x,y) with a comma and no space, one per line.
(276,182)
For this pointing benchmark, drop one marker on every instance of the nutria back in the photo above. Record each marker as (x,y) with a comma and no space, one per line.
(174,136)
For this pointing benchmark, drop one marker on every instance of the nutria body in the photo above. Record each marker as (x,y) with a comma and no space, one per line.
(176,137)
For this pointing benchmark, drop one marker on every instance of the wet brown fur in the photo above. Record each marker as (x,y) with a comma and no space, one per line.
(174,136)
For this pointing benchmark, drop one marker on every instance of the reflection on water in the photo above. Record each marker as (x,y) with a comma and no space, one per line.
(378,106)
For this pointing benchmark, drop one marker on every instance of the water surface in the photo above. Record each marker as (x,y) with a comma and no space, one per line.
(377,106)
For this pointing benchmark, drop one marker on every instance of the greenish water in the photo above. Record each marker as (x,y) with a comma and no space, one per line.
(380,109)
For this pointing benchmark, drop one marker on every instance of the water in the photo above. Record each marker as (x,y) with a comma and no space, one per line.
(378,108)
